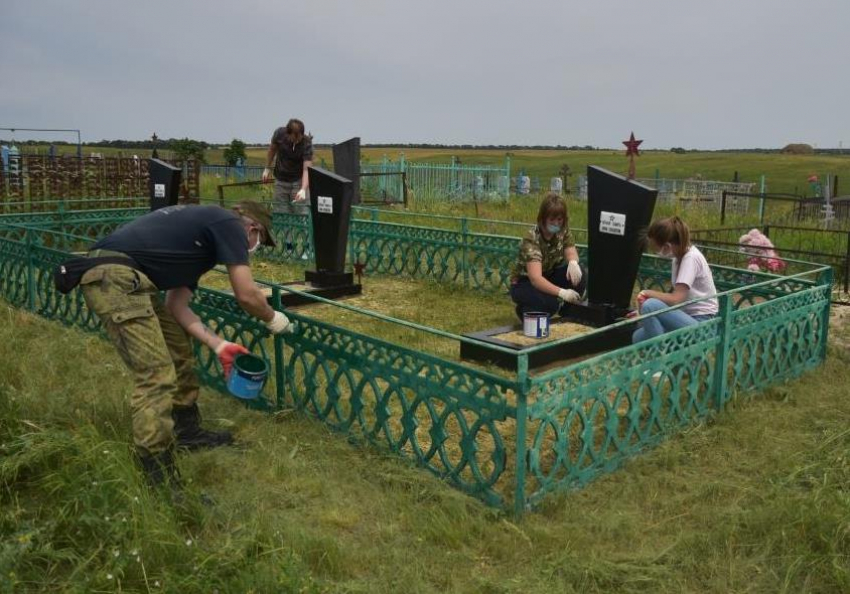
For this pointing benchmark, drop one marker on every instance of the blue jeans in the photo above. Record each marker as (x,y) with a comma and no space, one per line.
(665,322)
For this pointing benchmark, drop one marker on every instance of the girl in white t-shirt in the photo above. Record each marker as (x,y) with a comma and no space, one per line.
(691,278)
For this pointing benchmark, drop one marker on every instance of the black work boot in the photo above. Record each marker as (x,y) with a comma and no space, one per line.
(160,472)
(190,435)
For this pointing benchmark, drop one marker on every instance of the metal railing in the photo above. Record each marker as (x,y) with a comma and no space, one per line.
(509,440)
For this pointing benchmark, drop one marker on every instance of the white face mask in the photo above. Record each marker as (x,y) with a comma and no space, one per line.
(251,250)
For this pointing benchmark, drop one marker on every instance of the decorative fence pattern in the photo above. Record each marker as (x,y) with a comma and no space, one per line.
(510,441)
(32,179)
(693,193)
(237,171)
(433,181)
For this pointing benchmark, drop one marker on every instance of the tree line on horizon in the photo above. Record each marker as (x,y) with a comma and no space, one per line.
(191,146)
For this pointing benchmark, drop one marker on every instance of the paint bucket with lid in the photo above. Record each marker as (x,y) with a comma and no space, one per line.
(535,324)
(247,377)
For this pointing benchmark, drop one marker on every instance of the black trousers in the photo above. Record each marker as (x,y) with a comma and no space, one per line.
(527,298)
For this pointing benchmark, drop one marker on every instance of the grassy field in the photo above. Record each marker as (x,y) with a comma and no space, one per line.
(756,501)
(783,173)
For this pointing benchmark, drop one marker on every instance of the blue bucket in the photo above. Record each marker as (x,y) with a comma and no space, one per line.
(247,377)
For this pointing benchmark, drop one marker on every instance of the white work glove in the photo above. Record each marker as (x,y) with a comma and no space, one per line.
(267,174)
(279,323)
(574,272)
(301,195)
(568,296)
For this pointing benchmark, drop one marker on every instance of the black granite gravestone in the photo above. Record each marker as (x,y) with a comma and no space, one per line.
(330,210)
(347,164)
(164,184)
(619,212)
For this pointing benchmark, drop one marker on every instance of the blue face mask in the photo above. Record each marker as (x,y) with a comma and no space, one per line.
(553,229)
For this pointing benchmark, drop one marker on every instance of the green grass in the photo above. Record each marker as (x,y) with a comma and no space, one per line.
(783,173)
(756,501)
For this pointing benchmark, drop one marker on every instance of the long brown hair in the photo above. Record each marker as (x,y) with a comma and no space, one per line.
(552,206)
(294,131)
(674,231)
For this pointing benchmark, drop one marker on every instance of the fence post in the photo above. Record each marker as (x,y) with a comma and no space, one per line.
(404,186)
(464,255)
(762,190)
(721,358)
(824,320)
(220,196)
(847,263)
(61,211)
(507,177)
(279,363)
(767,230)
(521,422)
(723,208)
(30,271)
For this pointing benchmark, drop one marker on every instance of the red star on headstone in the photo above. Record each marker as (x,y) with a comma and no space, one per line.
(632,146)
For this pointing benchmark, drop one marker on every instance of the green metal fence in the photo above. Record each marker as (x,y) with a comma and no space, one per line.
(508,440)
(438,182)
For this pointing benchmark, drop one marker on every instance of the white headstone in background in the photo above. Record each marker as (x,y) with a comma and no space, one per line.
(556,184)
(523,186)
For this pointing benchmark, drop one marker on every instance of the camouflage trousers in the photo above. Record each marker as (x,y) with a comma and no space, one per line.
(284,198)
(153,346)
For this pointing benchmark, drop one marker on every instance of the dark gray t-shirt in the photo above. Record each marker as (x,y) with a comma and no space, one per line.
(176,245)
(289,165)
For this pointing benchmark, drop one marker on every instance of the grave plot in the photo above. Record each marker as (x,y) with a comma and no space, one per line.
(389,375)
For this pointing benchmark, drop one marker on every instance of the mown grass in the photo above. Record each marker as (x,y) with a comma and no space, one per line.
(757,501)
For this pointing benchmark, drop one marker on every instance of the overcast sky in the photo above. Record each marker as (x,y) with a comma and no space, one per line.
(708,74)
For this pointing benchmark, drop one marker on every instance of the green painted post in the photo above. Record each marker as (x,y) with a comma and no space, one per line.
(522,389)
(508,176)
(30,271)
(762,187)
(61,212)
(464,255)
(721,358)
(827,280)
(279,369)
(401,168)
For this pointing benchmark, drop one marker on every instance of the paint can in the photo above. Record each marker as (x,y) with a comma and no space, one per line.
(247,377)
(535,324)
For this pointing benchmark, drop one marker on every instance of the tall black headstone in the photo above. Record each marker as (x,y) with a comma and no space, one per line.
(164,184)
(330,209)
(619,212)
(347,164)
